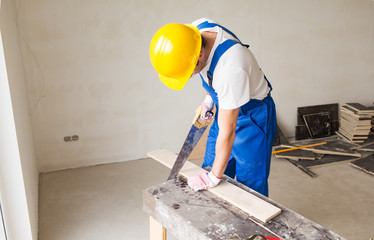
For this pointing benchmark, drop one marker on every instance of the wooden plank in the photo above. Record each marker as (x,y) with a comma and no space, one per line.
(280,138)
(156,230)
(318,124)
(361,109)
(254,206)
(295,154)
(301,131)
(333,109)
(365,164)
(368,145)
(335,146)
(326,160)
(302,168)
(343,136)
(300,147)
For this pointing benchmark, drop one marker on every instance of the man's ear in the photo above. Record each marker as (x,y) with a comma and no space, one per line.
(202,53)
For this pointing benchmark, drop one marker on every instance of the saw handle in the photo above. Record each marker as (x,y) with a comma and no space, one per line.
(197,115)
(197,120)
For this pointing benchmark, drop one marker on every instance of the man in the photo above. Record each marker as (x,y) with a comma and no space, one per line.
(241,137)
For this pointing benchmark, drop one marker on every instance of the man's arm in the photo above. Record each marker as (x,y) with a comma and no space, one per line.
(227,124)
(227,120)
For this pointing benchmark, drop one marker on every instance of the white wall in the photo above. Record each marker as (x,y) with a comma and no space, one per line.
(12,185)
(88,69)
(18,168)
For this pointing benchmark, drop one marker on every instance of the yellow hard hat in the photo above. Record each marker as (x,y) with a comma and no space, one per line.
(174,52)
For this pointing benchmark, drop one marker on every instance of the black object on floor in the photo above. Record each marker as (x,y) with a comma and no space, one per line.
(365,164)
(280,138)
(302,132)
(318,124)
(336,150)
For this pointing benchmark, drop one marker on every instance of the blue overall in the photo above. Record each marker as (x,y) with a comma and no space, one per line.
(255,131)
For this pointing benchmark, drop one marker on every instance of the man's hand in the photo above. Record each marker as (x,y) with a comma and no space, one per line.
(203,181)
(206,108)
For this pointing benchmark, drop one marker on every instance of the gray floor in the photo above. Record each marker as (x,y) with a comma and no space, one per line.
(105,202)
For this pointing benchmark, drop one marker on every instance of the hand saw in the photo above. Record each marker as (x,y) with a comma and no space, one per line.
(197,130)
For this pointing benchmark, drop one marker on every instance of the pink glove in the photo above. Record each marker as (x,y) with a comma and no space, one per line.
(203,181)
(206,108)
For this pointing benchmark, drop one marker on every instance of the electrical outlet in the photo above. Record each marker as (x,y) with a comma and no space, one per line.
(67,139)
(75,138)
(71,138)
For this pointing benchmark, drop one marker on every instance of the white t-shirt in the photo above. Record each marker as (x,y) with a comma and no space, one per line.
(237,77)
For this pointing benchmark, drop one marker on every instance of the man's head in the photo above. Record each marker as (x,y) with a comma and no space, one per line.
(203,56)
(175,50)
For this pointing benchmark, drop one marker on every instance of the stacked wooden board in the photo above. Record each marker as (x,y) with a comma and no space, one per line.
(355,122)
(372,121)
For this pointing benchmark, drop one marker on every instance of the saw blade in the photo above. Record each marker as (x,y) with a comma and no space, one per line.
(192,139)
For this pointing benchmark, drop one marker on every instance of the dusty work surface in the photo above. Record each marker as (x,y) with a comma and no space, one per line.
(202,215)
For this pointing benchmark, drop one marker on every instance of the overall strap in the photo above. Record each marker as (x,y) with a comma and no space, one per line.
(207,24)
(271,88)
(220,50)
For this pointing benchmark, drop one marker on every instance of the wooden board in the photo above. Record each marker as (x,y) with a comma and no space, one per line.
(301,130)
(334,145)
(295,154)
(357,141)
(326,160)
(359,108)
(336,150)
(302,168)
(366,164)
(366,148)
(156,230)
(352,116)
(318,124)
(254,206)
(352,138)
(353,126)
(368,145)
(333,109)
(306,165)
(280,137)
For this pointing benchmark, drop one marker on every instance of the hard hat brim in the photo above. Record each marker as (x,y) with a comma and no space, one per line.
(173,83)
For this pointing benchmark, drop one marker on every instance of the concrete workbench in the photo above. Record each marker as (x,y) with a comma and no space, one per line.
(186,214)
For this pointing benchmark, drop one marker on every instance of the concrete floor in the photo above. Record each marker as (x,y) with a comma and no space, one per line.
(105,202)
